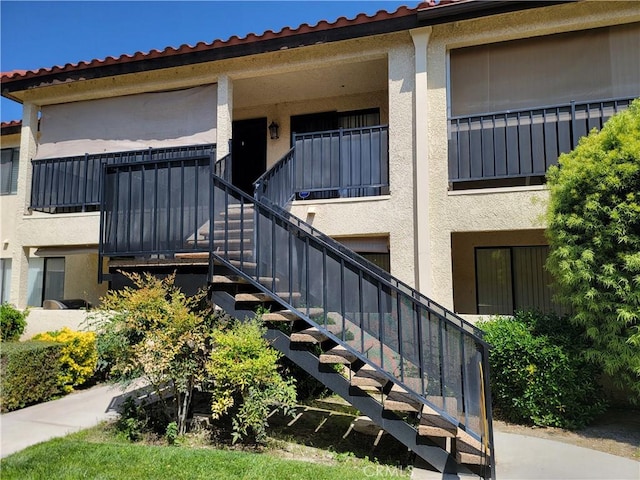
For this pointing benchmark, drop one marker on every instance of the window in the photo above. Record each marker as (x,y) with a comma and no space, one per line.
(513,278)
(318,122)
(5,279)
(374,249)
(9,171)
(45,280)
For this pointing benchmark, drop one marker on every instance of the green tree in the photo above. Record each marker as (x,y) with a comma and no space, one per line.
(594,237)
(156,333)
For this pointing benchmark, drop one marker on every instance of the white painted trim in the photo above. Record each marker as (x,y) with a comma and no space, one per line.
(489,191)
(424,282)
(333,201)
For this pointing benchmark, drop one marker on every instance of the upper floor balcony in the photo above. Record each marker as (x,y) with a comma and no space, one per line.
(516,147)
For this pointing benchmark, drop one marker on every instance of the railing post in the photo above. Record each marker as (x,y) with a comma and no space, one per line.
(573,124)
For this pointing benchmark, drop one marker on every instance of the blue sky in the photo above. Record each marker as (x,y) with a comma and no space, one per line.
(44,34)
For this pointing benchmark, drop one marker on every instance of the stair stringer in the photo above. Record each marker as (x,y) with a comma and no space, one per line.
(391,423)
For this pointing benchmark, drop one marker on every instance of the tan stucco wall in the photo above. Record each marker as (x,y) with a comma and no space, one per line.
(463,246)
(81,278)
(518,208)
(8,206)
(395,215)
(282,112)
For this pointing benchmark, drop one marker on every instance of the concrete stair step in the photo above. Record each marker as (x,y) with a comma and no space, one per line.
(368,376)
(400,400)
(338,354)
(469,450)
(289,315)
(309,335)
(432,424)
(260,297)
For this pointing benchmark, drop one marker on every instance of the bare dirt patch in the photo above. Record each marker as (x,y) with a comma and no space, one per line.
(616,432)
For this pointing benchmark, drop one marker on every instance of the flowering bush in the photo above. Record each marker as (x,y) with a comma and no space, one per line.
(79,356)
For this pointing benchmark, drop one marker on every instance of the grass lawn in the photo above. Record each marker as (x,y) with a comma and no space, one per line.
(91,456)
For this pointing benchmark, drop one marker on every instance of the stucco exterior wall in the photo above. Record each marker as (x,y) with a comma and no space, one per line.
(515,208)
(463,246)
(81,278)
(8,207)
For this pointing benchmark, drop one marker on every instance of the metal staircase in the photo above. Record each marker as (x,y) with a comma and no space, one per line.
(416,369)
(410,365)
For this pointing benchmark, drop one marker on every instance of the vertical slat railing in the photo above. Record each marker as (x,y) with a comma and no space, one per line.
(73,183)
(335,163)
(521,143)
(380,319)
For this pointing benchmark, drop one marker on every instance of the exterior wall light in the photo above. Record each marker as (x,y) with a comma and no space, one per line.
(273,130)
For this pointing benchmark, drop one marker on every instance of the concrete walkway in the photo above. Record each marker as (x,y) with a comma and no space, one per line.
(519,457)
(77,411)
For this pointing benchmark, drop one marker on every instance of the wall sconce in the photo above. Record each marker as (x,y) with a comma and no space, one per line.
(273,130)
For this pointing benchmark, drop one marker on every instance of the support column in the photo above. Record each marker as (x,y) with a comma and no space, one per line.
(224,116)
(20,254)
(424,277)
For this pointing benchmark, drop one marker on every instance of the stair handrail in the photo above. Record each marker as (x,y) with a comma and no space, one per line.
(378,272)
(277,213)
(262,182)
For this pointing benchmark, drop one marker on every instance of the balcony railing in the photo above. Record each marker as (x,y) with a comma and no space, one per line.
(155,207)
(72,184)
(521,143)
(331,164)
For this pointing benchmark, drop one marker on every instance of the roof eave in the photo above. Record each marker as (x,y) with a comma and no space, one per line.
(122,67)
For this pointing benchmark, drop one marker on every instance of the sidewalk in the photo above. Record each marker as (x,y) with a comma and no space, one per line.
(57,418)
(519,457)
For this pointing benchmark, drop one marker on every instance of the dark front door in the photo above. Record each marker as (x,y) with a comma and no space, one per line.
(249,152)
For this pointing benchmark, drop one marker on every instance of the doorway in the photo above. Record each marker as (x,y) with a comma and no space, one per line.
(249,152)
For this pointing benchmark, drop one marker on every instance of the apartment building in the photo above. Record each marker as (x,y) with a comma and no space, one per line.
(418,139)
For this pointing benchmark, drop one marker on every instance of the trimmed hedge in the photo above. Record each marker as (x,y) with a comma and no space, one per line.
(29,373)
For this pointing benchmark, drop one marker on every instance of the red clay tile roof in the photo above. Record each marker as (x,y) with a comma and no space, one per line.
(403,18)
(7,128)
(234,40)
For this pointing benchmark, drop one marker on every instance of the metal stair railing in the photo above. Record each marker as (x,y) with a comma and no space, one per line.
(348,162)
(435,356)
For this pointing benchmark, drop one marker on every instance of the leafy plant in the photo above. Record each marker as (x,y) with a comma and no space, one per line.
(29,373)
(247,384)
(171,434)
(155,332)
(594,236)
(79,356)
(12,322)
(537,379)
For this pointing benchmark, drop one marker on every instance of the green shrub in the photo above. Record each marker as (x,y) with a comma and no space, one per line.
(79,356)
(537,378)
(29,373)
(247,384)
(594,238)
(12,322)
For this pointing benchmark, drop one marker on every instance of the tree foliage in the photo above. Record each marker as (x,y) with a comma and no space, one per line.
(156,333)
(594,237)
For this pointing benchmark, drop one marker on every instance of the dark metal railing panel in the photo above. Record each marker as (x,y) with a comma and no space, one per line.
(336,163)
(521,143)
(152,208)
(73,183)
(415,343)
(223,168)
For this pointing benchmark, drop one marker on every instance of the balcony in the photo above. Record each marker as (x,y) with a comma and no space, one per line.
(342,163)
(516,147)
(72,184)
